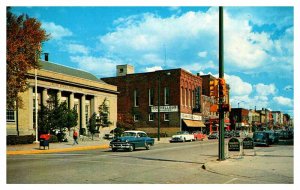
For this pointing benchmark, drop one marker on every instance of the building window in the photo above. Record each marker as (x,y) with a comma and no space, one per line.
(151,97)
(136,117)
(186,97)
(87,114)
(166,116)
(136,98)
(151,117)
(10,115)
(167,95)
(182,96)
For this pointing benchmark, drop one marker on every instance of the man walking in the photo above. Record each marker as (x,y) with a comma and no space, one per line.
(75,137)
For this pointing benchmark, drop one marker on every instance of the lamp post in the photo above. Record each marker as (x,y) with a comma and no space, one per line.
(158,109)
(36,106)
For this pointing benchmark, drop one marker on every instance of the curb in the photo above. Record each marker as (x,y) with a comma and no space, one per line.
(41,151)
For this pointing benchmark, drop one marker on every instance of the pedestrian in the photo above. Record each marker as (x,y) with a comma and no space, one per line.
(75,137)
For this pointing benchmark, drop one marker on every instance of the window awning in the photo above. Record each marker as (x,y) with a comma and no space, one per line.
(193,123)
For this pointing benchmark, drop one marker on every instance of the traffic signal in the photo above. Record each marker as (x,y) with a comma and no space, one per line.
(223,90)
(213,88)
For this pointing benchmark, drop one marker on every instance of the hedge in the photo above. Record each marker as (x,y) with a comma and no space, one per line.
(25,139)
(14,139)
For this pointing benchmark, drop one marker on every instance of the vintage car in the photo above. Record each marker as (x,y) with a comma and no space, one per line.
(130,140)
(213,135)
(261,138)
(198,135)
(182,136)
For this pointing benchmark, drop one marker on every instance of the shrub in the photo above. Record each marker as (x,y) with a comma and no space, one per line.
(14,139)
(53,138)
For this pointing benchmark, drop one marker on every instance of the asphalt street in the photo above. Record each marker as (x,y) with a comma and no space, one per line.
(169,163)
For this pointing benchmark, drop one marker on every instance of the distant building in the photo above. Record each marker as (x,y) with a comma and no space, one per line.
(179,99)
(81,90)
(239,118)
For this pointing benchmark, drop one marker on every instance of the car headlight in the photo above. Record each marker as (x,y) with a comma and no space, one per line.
(126,140)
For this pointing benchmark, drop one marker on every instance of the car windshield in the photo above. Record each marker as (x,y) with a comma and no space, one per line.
(182,132)
(258,135)
(130,134)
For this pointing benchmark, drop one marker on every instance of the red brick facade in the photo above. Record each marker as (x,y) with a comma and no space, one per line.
(177,88)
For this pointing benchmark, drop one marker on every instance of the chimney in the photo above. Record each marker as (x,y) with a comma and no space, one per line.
(46,56)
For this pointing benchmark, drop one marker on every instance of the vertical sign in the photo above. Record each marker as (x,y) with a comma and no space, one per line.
(197,99)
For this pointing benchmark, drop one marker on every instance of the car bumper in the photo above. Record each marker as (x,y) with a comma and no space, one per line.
(120,145)
(176,140)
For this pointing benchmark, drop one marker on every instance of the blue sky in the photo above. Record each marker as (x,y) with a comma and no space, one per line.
(258,47)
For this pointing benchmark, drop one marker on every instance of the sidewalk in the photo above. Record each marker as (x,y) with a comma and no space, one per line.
(87,144)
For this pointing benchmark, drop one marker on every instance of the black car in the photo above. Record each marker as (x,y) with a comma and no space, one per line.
(261,138)
(213,135)
(274,137)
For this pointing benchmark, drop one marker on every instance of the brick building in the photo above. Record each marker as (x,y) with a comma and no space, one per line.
(79,89)
(179,98)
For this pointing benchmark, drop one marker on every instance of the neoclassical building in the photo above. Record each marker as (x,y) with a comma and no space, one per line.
(79,89)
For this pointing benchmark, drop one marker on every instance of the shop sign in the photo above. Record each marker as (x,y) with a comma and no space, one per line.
(154,109)
(191,117)
(248,143)
(234,144)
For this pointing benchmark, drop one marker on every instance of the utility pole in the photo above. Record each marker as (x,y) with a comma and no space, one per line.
(221,76)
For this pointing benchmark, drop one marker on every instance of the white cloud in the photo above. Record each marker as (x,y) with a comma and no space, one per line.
(237,86)
(56,32)
(155,68)
(283,101)
(264,90)
(202,54)
(77,48)
(99,66)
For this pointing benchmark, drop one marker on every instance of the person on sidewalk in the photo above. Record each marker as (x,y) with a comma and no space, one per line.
(75,137)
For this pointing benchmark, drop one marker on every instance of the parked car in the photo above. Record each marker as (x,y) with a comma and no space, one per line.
(198,135)
(130,140)
(274,137)
(227,134)
(182,136)
(213,135)
(261,138)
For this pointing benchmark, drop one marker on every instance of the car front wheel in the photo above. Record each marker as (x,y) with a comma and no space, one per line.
(130,149)
(147,146)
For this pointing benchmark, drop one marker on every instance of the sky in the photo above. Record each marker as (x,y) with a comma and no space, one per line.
(258,47)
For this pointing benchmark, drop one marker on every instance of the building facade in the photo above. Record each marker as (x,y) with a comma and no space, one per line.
(168,98)
(79,89)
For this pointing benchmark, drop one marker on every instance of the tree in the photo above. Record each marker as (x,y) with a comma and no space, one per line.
(24,39)
(104,114)
(92,126)
(56,116)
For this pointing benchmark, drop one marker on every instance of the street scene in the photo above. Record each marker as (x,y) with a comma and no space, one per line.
(165,163)
(150,95)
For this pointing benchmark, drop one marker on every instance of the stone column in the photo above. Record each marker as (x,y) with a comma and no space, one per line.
(71,101)
(44,96)
(82,105)
(31,110)
(58,96)
(94,108)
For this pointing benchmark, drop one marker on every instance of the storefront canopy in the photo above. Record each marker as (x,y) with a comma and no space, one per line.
(193,123)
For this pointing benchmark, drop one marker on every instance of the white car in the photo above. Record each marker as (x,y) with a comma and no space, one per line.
(182,136)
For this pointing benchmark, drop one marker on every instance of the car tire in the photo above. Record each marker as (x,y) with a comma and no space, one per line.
(147,146)
(114,149)
(131,148)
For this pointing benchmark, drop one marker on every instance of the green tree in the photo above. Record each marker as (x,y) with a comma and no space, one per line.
(23,46)
(56,116)
(104,114)
(92,126)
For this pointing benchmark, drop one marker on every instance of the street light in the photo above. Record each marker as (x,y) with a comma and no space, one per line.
(158,107)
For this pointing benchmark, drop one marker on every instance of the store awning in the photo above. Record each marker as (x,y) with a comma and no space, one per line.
(193,123)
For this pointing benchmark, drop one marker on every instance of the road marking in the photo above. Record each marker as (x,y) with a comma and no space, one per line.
(233,179)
